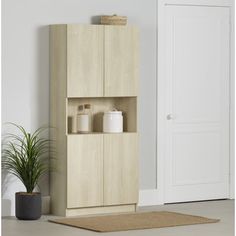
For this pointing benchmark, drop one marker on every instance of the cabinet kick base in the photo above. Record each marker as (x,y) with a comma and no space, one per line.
(100,210)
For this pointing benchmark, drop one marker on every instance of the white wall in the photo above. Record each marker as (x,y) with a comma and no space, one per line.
(25,69)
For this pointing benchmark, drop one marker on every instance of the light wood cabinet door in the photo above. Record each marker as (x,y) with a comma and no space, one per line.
(85,171)
(120,168)
(84,60)
(121,61)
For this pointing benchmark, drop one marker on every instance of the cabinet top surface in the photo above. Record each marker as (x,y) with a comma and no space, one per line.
(92,25)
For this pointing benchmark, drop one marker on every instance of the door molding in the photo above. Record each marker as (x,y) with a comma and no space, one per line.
(232,102)
(207,3)
(161,88)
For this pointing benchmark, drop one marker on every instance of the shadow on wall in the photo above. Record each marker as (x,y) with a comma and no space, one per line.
(95,20)
(42,88)
(42,77)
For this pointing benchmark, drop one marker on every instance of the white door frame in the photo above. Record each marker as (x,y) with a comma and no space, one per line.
(161,88)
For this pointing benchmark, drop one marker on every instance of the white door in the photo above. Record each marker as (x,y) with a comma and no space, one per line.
(197,103)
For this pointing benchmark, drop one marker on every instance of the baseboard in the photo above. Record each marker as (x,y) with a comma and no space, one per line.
(149,197)
(100,210)
(46,205)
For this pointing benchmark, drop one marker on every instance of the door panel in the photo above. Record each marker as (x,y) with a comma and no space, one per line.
(121,61)
(120,168)
(197,151)
(85,171)
(85,60)
(197,103)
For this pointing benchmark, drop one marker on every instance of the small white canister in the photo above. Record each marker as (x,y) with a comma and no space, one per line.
(113,122)
(83,123)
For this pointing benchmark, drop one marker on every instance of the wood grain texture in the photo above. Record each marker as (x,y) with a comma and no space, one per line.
(121,61)
(77,183)
(85,170)
(100,210)
(58,64)
(85,60)
(120,168)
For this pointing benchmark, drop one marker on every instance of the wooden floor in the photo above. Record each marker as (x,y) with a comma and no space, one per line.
(223,209)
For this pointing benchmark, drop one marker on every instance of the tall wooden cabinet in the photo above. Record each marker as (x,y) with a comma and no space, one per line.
(95,172)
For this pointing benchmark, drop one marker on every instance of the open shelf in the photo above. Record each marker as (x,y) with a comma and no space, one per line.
(125,132)
(128,106)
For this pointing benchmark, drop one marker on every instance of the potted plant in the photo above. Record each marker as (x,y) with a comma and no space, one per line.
(24,155)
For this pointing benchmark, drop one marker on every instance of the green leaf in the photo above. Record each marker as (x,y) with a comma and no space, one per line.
(24,156)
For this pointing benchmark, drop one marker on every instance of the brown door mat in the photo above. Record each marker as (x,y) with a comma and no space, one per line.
(142,220)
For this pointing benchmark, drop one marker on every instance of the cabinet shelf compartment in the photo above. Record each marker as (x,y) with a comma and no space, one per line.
(128,106)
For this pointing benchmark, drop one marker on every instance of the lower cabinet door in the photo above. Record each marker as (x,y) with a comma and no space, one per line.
(120,168)
(85,170)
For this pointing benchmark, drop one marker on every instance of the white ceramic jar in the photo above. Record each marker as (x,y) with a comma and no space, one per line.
(113,122)
(83,123)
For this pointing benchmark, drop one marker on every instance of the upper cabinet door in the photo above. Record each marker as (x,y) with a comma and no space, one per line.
(121,61)
(85,60)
